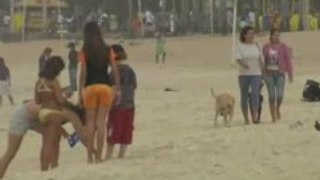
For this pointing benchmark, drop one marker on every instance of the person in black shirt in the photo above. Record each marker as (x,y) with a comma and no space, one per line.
(96,93)
(44,57)
(73,66)
(5,82)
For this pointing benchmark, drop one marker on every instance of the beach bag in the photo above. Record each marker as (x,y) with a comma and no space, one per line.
(311,91)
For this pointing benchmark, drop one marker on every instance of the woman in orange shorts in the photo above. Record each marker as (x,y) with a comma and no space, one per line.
(95,86)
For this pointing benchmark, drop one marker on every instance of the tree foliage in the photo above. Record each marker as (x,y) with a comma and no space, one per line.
(87,5)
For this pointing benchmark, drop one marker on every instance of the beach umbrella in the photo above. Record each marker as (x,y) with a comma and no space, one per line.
(234,30)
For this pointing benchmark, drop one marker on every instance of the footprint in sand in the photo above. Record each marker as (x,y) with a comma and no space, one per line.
(218,169)
(273,167)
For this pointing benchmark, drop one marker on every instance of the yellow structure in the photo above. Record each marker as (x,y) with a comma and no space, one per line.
(295,22)
(314,25)
(39,13)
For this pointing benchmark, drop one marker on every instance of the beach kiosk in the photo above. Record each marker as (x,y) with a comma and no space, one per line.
(39,14)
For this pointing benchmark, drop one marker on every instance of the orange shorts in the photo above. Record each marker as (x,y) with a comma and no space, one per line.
(97,95)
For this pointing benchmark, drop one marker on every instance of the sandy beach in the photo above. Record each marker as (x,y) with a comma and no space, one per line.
(174,134)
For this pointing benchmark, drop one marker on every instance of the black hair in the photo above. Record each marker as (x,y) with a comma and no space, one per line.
(273,31)
(71,45)
(47,50)
(93,42)
(1,60)
(52,68)
(119,51)
(244,32)
(117,48)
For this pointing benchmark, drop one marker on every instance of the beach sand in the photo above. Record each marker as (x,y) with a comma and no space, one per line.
(174,134)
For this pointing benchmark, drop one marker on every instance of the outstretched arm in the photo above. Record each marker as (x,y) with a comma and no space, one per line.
(116,74)
(83,75)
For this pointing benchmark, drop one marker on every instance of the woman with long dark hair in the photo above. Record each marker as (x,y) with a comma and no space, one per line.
(250,60)
(96,93)
(278,62)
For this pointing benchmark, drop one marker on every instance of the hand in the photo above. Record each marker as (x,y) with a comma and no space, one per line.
(246,66)
(80,101)
(118,97)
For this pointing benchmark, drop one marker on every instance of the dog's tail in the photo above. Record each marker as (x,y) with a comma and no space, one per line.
(212,93)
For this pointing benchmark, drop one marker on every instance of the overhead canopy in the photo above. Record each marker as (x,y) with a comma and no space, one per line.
(39,4)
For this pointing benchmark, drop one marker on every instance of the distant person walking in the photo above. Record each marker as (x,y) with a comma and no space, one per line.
(278,62)
(5,82)
(73,66)
(229,20)
(44,57)
(161,48)
(250,60)
(252,18)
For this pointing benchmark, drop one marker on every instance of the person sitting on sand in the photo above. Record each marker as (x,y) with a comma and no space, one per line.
(95,87)
(52,114)
(26,118)
(121,118)
(5,82)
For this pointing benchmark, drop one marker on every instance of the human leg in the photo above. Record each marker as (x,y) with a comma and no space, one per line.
(280,86)
(1,102)
(244,91)
(255,84)
(101,131)
(49,142)
(14,142)
(73,78)
(90,132)
(122,152)
(270,83)
(110,149)
(10,97)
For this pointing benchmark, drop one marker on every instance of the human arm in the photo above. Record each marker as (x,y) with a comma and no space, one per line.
(239,58)
(134,79)
(289,63)
(116,75)
(36,95)
(8,76)
(243,64)
(262,59)
(82,78)
(57,91)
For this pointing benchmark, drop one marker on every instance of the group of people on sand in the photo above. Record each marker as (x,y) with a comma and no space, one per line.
(106,104)
(271,63)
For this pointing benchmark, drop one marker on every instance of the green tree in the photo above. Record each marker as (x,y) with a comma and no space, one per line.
(86,5)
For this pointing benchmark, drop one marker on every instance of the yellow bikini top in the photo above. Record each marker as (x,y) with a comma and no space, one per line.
(42,87)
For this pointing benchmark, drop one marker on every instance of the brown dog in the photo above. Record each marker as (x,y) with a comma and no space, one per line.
(224,107)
